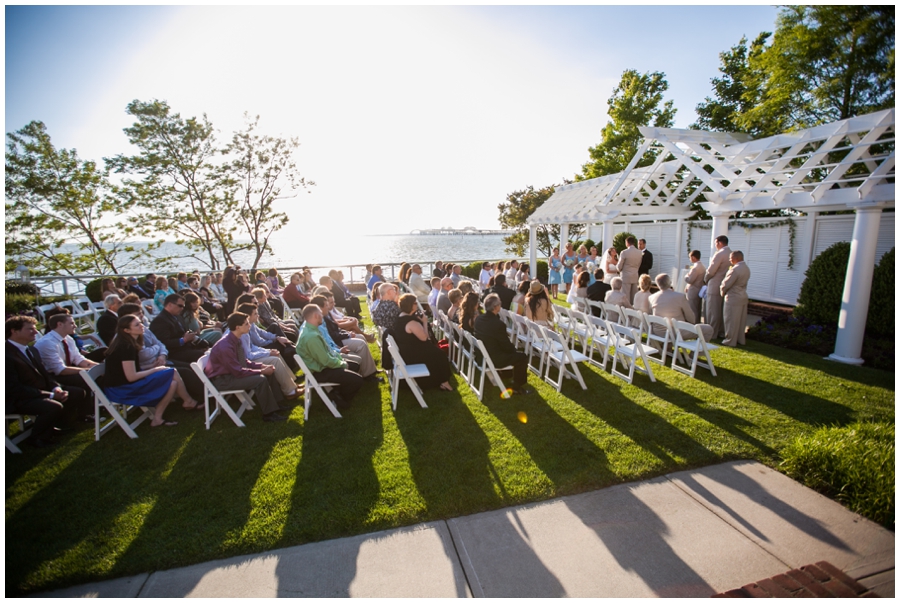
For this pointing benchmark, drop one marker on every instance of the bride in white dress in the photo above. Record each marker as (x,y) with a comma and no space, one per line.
(609,264)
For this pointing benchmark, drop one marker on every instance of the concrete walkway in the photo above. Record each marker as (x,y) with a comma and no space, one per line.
(691,533)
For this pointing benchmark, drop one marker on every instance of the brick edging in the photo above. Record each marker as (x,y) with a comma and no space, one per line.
(817,580)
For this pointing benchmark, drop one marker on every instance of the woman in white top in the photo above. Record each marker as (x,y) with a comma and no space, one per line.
(524,273)
(642,297)
(610,265)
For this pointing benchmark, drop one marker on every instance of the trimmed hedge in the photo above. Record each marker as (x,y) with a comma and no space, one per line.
(16,287)
(820,294)
(619,241)
(881,303)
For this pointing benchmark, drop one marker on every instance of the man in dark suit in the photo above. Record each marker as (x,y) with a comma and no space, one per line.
(134,287)
(505,294)
(182,345)
(30,389)
(106,322)
(646,258)
(489,328)
(598,291)
(149,285)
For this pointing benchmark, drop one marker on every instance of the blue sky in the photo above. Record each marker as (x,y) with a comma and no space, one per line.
(409,117)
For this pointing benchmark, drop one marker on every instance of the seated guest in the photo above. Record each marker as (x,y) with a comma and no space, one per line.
(269,319)
(195,318)
(579,291)
(347,323)
(154,353)
(404,274)
(307,283)
(59,353)
(229,369)
(375,297)
(125,382)
(456,275)
(131,298)
(283,374)
(182,344)
(162,292)
(434,293)
(417,284)
(275,303)
(108,287)
(265,339)
(438,270)
(642,297)
(234,288)
(443,299)
(325,364)
(293,293)
(173,284)
(259,278)
(342,296)
(30,389)
(216,289)
(505,294)
(597,291)
(134,287)
(273,283)
(149,285)
(356,344)
(512,269)
(617,298)
(373,280)
(465,287)
(388,310)
(469,311)
(491,330)
(456,298)
(181,282)
(208,299)
(206,303)
(412,335)
(106,322)
(518,303)
(668,303)
(122,284)
(538,307)
(524,274)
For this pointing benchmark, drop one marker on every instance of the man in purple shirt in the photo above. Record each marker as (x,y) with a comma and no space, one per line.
(228,368)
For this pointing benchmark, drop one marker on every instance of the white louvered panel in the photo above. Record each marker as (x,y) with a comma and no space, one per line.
(787,284)
(885,235)
(831,230)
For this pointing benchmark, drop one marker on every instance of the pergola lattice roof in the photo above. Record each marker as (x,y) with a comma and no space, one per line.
(835,166)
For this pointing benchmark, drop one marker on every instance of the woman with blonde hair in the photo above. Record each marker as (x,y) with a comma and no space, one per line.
(642,297)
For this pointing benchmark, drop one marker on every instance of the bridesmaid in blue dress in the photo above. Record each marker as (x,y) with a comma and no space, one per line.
(125,383)
(569,260)
(555,265)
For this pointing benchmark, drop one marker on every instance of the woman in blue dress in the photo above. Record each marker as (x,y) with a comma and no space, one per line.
(125,382)
(583,255)
(569,259)
(555,265)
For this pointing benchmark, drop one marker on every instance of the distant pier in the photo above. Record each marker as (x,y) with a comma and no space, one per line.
(468,230)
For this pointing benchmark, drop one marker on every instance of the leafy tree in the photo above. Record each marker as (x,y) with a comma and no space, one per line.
(636,101)
(59,216)
(736,92)
(825,63)
(180,187)
(259,168)
(515,212)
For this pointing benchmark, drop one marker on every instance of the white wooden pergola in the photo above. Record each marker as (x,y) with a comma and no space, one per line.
(845,165)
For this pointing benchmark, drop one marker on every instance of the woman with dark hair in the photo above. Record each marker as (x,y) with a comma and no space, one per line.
(469,311)
(195,318)
(108,287)
(524,273)
(411,333)
(233,288)
(273,283)
(537,305)
(405,269)
(125,382)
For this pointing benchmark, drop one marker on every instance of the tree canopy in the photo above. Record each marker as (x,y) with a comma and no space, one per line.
(515,212)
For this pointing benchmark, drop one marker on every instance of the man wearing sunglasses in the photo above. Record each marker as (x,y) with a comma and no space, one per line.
(182,344)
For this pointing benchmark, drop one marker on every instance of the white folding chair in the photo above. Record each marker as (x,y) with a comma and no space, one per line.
(221,404)
(697,347)
(628,350)
(312,384)
(487,367)
(580,305)
(97,308)
(520,335)
(407,372)
(599,305)
(456,345)
(118,412)
(25,424)
(78,313)
(43,309)
(563,358)
(580,330)
(508,321)
(600,341)
(540,346)
(665,341)
(613,312)
(634,320)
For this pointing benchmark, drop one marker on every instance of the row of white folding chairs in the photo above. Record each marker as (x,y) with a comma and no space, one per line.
(469,356)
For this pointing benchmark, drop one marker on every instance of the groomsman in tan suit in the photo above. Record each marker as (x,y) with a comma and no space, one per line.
(734,290)
(694,281)
(629,264)
(668,303)
(718,266)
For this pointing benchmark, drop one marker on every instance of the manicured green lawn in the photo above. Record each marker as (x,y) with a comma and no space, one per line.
(86,511)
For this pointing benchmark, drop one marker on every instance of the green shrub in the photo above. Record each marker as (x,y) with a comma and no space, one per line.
(18,287)
(92,290)
(473,270)
(881,303)
(852,464)
(820,294)
(590,243)
(619,241)
(24,303)
(543,271)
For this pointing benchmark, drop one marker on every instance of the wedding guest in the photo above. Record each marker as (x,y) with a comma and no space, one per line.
(388,310)
(617,298)
(469,311)
(642,297)
(518,303)
(195,318)
(326,365)
(411,333)
(491,330)
(161,293)
(455,297)
(538,307)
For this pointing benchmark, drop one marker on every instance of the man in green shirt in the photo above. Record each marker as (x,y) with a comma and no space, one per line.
(325,364)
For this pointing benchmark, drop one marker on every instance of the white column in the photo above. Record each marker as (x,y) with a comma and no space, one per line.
(719,227)
(809,242)
(857,287)
(563,237)
(532,249)
(679,244)
(608,234)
